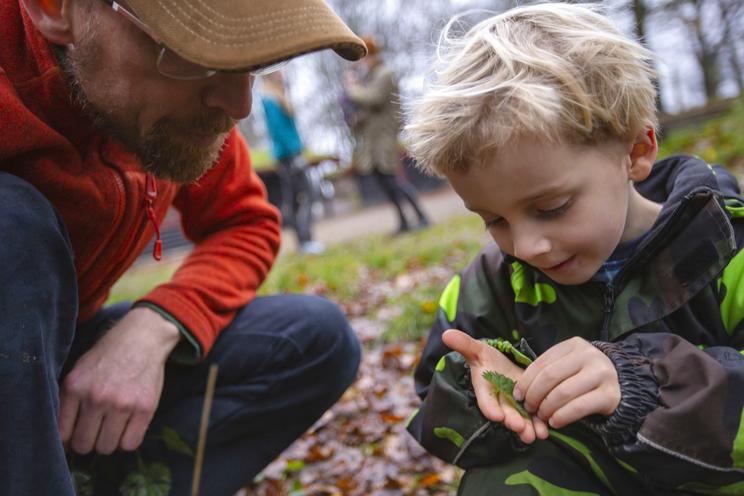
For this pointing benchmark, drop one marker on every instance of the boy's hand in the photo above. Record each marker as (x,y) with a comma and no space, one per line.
(482,357)
(570,381)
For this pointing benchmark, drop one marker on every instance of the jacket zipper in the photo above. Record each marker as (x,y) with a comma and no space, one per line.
(608,307)
(613,286)
(151,194)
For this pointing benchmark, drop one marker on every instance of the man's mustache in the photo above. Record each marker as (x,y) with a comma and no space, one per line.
(211,122)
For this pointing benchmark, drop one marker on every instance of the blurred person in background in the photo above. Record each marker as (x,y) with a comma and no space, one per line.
(109,115)
(372,111)
(292,167)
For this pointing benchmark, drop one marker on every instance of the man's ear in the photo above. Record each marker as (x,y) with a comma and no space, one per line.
(643,154)
(52,18)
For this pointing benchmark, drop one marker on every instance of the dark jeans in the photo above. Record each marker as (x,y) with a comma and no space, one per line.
(400,191)
(282,362)
(297,196)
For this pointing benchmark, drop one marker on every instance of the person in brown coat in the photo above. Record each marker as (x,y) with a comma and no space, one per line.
(373,113)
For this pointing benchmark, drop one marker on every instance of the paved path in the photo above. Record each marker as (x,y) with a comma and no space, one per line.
(438,205)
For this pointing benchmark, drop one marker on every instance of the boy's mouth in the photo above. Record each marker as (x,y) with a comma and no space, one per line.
(561,266)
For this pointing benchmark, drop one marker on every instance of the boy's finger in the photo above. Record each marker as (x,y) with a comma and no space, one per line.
(464,344)
(552,355)
(549,379)
(577,409)
(541,428)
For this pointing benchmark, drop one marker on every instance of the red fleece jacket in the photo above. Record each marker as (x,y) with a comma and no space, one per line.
(98,187)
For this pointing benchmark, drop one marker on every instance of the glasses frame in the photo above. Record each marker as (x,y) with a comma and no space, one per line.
(164,50)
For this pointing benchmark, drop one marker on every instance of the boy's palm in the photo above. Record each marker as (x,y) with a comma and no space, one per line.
(482,357)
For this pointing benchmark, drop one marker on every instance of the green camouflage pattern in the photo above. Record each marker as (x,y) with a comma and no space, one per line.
(671,321)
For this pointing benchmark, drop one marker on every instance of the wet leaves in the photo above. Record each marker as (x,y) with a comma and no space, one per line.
(360,446)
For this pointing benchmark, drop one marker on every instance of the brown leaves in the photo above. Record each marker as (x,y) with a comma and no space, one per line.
(360,447)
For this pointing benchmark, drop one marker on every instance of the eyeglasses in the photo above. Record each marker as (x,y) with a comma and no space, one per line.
(172,65)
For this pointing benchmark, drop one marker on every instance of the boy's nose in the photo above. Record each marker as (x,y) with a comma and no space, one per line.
(230,92)
(530,245)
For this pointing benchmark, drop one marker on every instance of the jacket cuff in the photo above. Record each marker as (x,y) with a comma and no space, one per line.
(188,351)
(639,395)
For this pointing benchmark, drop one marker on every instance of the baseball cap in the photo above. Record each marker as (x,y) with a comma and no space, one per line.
(242,34)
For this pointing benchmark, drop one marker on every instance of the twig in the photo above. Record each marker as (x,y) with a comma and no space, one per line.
(211,382)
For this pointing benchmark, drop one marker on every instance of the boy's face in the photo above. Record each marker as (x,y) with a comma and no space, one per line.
(562,209)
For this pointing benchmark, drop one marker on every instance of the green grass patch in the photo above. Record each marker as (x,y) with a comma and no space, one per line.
(417,311)
(717,141)
(139,280)
(343,270)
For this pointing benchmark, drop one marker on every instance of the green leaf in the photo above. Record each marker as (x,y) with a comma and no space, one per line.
(174,442)
(83,483)
(295,465)
(506,347)
(505,386)
(154,480)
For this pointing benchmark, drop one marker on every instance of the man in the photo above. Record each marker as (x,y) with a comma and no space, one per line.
(110,113)
(373,114)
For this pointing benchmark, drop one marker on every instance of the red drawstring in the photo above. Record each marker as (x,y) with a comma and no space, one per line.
(151,193)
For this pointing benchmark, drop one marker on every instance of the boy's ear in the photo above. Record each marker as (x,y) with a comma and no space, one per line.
(643,155)
(52,19)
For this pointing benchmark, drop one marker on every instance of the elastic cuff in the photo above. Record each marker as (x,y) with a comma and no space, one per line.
(188,351)
(639,395)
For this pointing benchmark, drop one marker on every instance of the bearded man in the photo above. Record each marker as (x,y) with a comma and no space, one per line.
(110,112)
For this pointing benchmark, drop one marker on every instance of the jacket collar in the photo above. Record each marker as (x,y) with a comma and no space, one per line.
(31,67)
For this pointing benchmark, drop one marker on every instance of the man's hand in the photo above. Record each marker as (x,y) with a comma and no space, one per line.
(109,397)
(570,381)
(482,357)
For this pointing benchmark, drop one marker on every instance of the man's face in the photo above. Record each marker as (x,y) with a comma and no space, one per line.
(561,209)
(177,128)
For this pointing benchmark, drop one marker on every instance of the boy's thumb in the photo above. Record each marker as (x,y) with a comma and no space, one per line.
(462,343)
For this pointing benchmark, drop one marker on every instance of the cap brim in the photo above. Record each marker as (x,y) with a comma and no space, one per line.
(243,34)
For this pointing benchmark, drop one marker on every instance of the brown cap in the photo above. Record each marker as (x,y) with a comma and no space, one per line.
(241,34)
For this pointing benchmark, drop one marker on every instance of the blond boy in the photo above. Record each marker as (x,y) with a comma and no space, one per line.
(613,286)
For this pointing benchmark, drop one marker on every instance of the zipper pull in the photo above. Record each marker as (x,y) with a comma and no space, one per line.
(151,194)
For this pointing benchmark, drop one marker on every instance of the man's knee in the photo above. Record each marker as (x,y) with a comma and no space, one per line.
(38,284)
(332,334)
(35,225)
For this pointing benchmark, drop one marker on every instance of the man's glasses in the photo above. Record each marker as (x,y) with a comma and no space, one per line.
(172,65)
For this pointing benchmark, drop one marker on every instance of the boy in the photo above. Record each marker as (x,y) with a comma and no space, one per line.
(614,284)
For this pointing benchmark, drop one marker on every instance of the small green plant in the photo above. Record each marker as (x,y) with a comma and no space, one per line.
(152,479)
(505,387)
(147,479)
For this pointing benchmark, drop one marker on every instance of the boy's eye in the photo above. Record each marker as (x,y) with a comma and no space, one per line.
(497,222)
(554,211)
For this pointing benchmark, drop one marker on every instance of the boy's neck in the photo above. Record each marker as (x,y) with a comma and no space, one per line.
(642,213)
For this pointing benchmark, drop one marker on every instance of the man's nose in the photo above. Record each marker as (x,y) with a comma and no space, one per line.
(529,244)
(230,92)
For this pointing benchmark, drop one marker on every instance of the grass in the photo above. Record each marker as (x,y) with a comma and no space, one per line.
(717,141)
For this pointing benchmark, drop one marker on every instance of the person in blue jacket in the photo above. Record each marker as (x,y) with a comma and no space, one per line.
(286,147)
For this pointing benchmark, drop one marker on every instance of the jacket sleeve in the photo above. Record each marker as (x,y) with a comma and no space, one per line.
(679,422)
(449,423)
(236,235)
(377,91)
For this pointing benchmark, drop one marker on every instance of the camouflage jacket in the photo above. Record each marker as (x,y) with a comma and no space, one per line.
(672,322)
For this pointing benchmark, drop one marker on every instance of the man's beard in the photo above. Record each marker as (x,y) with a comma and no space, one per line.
(167,150)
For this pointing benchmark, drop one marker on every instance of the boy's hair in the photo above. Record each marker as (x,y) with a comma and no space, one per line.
(558,73)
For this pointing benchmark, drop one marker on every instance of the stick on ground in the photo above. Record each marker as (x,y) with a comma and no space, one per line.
(211,382)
